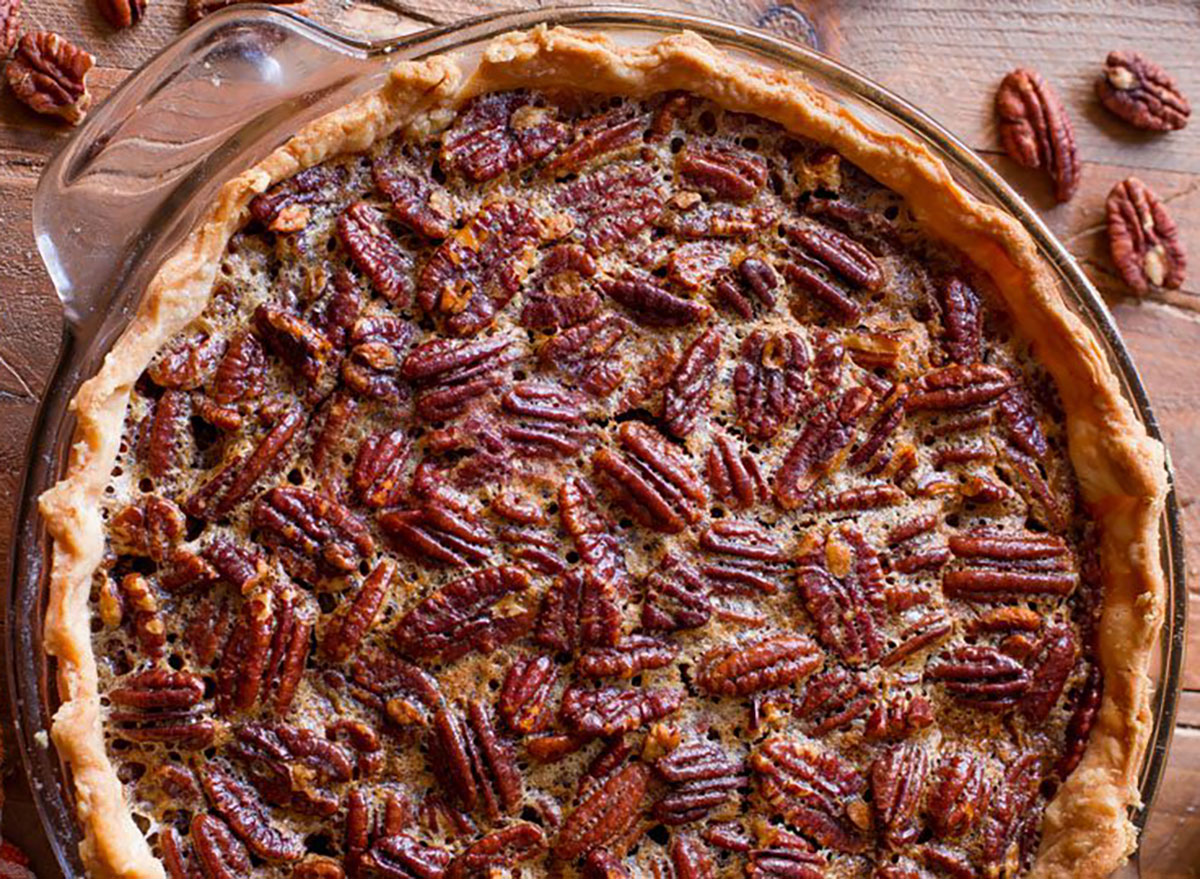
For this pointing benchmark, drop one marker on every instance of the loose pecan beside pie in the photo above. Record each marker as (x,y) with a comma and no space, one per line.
(620,463)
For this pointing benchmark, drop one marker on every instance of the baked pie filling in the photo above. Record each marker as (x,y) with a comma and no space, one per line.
(594,486)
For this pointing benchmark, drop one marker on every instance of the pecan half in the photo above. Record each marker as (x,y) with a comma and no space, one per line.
(441,527)
(981,676)
(1036,131)
(292,767)
(452,374)
(651,479)
(401,856)
(614,205)
(290,200)
(834,699)
(1143,239)
(266,652)
(770,382)
(627,658)
(122,13)
(1052,660)
(685,398)
(898,785)
(827,259)
(1083,718)
(958,798)
(1010,814)
(10,24)
(741,669)
(49,75)
(578,610)
(606,812)
(1142,93)
(957,387)
(652,304)
(1002,565)
(344,633)
(474,764)
(690,858)
(676,597)
(218,853)
(497,133)
(592,533)
(811,789)
(524,698)
(463,616)
(239,804)
(150,528)
(313,535)
(962,320)
(783,855)
(720,171)
(401,691)
(841,585)
(371,367)
(742,558)
(755,278)
(588,353)
(296,342)
(363,231)
(378,475)
(561,294)
(161,705)
(605,135)
(417,202)
(701,776)
(498,851)
(823,442)
(734,475)
(610,711)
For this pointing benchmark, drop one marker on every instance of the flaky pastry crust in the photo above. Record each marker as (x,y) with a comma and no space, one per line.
(1121,470)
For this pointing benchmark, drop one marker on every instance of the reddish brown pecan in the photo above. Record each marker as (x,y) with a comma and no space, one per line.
(1011,813)
(610,711)
(898,787)
(783,855)
(1142,93)
(701,776)
(690,859)
(1143,239)
(827,261)
(150,528)
(371,369)
(289,201)
(592,533)
(1004,565)
(695,265)
(1018,417)
(1036,131)
(476,766)
(417,202)
(841,585)
(318,868)
(676,597)
(981,676)
(606,812)
(579,610)
(561,294)
(962,320)
(606,135)
(685,399)
(463,616)
(834,699)
(344,633)
(588,353)
(296,342)
(930,629)
(378,475)
(454,373)
(49,75)
(442,527)
(160,705)
(958,387)
(811,789)
(240,374)
(742,558)
(401,691)
(651,479)
(770,382)
(10,25)
(614,205)
(1079,727)
(958,797)
(775,661)
(544,420)
(313,535)
(401,856)
(292,767)
(217,852)
(755,278)
(187,363)
(376,252)
(497,133)
(652,304)
(475,273)
(733,474)
(627,658)
(899,717)
(266,652)
(1053,660)
(140,599)
(524,698)
(240,805)
(721,171)
(498,851)
(823,443)
(168,443)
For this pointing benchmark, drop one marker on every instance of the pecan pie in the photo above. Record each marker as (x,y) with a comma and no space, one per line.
(620,462)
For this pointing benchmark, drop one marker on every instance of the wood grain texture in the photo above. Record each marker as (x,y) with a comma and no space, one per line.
(944,56)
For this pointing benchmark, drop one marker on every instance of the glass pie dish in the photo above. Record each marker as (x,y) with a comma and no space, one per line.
(134,179)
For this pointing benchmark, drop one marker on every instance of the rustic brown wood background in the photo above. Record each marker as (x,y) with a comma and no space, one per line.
(945,56)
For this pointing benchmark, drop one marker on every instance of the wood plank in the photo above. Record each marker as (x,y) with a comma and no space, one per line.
(1172,837)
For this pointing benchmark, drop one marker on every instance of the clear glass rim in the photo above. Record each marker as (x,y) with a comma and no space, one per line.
(30,677)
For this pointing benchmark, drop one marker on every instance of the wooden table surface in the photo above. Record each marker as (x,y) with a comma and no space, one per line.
(944,56)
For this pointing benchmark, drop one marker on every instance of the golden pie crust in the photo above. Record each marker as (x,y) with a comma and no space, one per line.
(1120,469)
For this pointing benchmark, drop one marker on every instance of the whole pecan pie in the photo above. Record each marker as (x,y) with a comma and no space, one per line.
(620,462)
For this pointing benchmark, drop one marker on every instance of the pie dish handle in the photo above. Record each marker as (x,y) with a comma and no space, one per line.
(128,184)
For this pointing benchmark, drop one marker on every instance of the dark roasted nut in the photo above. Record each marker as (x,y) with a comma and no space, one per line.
(463,616)
(1036,131)
(562,296)
(453,374)
(981,676)
(841,585)
(317,867)
(958,387)
(812,790)
(418,203)
(685,399)
(168,442)
(626,658)
(363,231)
(186,363)
(588,353)
(151,528)
(141,600)
(722,172)
(652,304)
(1142,93)
(442,527)
(652,479)
(298,343)
(579,610)
(834,699)
(378,474)
(770,382)
(606,135)
(614,205)
(218,853)
(1009,813)
(49,75)
(10,25)
(240,806)
(962,321)
(1083,718)
(606,812)
(241,373)
(929,630)
(292,767)
(158,689)
(312,535)
(406,694)
(959,795)
(823,443)
(543,420)
(122,13)
(754,277)
(1143,239)
(1003,565)
(499,850)
(524,701)
(898,787)
(475,765)
(741,669)
(742,558)
(701,776)
(474,274)
(401,856)
(695,265)
(783,855)
(690,858)
(733,474)
(676,597)
(266,652)
(161,706)
(371,369)
(286,206)
(1052,660)
(345,632)
(592,533)
(839,259)
(497,133)
(610,711)
(899,717)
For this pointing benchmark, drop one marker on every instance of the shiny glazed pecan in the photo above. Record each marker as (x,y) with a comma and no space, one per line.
(741,669)
(345,632)
(312,535)
(770,382)
(834,699)
(701,776)
(898,786)
(1036,131)
(470,613)
(1142,93)
(476,766)
(440,527)
(239,804)
(376,252)
(981,676)
(742,558)
(841,585)
(497,133)
(605,813)
(290,201)
(452,374)
(578,610)
(722,172)
(499,850)
(1143,239)
(651,479)
(959,794)
(588,353)
(733,474)
(652,304)
(676,596)
(524,701)
(627,658)
(685,400)
(614,205)
(1001,566)
(49,75)
(822,444)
